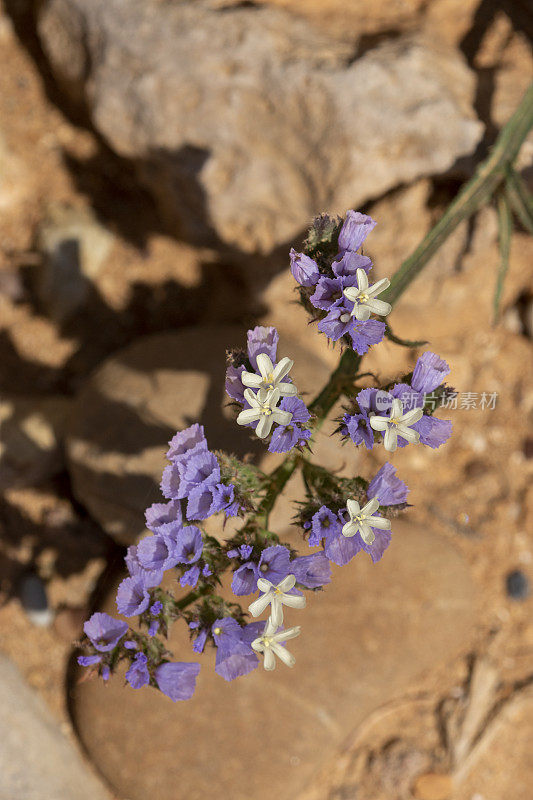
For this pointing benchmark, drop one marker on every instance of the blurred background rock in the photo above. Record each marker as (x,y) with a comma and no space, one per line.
(157,160)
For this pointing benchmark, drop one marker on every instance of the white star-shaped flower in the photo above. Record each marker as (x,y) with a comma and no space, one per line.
(270,644)
(362,521)
(276,597)
(364,297)
(398,424)
(271,377)
(263,411)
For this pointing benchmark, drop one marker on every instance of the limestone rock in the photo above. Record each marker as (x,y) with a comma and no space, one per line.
(245,121)
(132,406)
(36,761)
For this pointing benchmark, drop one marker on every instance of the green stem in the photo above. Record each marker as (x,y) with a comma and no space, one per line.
(520,199)
(474,194)
(191,597)
(278,478)
(505,228)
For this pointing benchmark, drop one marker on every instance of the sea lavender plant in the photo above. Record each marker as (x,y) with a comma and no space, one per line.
(339,517)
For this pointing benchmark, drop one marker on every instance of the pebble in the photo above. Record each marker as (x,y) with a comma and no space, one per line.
(517,585)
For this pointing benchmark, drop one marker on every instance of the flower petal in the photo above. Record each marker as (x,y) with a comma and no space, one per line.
(286,584)
(283,654)
(264,426)
(378,287)
(251,379)
(283,368)
(378,522)
(362,279)
(390,440)
(258,606)
(247,416)
(378,307)
(264,365)
(379,423)
(251,397)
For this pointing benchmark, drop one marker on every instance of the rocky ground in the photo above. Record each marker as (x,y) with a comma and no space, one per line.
(130,259)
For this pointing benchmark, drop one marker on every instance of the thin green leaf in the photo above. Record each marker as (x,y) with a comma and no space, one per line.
(403,342)
(474,194)
(505,225)
(520,198)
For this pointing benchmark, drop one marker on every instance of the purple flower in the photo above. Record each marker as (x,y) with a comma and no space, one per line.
(357,427)
(171,482)
(138,675)
(244,552)
(323,523)
(105,672)
(189,545)
(157,552)
(132,596)
(104,631)
(374,400)
(311,571)
(203,501)
(186,440)
(433,432)
(226,500)
(387,487)
(329,293)
(156,608)
(429,372)
(354,231)
(177,680)
(235,656)
(162,513)
(153,627)
(365,334)
(262,340)
(244,579)
(411,398)
(200,469)
(304,269)
(274,564)
(285,437)
(190,577)
(341,549)
(349,263)
(234,385)
(199,642)
(130,645)
(225,630)
(88,661)
(150,578)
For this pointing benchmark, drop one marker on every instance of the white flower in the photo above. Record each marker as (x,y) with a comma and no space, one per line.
(263,410)
(270,377)
(276,597)
(364,297)
(398,424)
(362,521)
(269,643)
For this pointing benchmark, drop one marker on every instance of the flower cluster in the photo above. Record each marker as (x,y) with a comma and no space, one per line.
(348,525)
(266,393)
(334,285)
(401,413)
(175,571)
